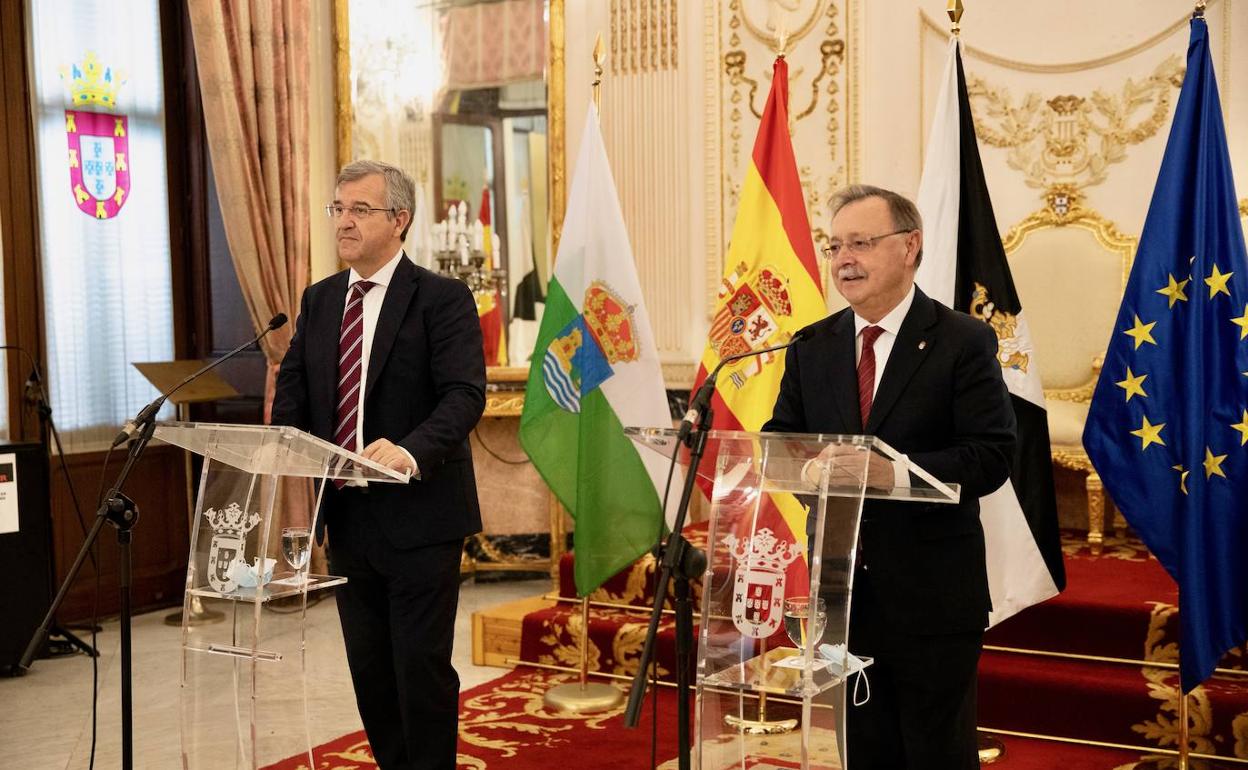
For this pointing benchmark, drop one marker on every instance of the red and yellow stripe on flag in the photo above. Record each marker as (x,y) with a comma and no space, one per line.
(489,303)
(770,289)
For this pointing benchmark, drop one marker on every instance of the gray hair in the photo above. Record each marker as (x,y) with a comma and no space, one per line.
(905,214)
(400,190)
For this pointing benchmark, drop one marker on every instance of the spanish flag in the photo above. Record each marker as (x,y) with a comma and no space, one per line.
(770,289)
(489,301)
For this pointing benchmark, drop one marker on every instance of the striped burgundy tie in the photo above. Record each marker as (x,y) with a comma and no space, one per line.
(866,372)
(350,351)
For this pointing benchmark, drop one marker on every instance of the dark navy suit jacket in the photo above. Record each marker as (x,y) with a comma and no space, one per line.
(424,390)
(941,401)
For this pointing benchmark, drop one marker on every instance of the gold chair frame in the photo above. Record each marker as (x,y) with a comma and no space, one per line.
(1063,208)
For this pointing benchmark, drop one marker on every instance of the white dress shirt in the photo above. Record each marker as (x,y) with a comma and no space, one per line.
(891,326)
(373,299)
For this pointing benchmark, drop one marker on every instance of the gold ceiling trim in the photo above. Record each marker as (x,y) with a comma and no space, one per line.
(941,28)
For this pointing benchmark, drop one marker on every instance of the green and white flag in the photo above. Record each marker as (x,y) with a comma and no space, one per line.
(596,370)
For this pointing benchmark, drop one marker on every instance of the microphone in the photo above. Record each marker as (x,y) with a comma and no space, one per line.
(32,389)
(702,400)
(147,413)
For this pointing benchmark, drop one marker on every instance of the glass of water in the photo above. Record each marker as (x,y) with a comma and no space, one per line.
(297,547)
(805,620)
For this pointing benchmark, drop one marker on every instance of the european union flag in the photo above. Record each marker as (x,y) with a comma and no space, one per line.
(1168,425)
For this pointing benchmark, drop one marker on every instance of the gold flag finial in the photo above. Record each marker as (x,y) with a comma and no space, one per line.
(1199,12)
(954,9)
(782,40)
(600,57)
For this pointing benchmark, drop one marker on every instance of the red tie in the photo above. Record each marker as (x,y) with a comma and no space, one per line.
(866,372)
(350,351)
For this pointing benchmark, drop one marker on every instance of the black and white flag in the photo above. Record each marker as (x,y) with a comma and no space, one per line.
(964,266)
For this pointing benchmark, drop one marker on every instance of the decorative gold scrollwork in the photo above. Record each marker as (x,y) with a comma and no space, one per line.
(1070,139)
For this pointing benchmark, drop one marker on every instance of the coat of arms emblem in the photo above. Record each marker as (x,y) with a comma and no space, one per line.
(580,356)
(99,169)
(230,526)
(758,589)
(749,317)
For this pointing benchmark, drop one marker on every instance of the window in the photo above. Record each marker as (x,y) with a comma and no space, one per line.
(100,140)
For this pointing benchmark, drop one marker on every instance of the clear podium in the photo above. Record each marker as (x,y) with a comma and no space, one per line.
(774,670)
(245,686)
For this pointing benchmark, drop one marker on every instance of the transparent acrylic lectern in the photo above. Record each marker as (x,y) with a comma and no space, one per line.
(244,689)
(774,672)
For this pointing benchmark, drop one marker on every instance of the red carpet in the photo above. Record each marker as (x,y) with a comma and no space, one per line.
(504,725)
(1121,604)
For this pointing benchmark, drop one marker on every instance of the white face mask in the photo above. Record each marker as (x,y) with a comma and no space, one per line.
(841,662)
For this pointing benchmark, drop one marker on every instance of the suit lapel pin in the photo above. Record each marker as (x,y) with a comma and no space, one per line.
(922,344)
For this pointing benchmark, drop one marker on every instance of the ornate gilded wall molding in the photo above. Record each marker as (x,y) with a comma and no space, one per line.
(643,36)
(713,176)
(1069,139)
(648,122)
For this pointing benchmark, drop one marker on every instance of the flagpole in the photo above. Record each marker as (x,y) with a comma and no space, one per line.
(1183,736)
(1184,749)
(991,747)
(584,697)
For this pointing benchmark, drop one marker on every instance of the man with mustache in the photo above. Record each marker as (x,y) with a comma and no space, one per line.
(925,380)
(387,361)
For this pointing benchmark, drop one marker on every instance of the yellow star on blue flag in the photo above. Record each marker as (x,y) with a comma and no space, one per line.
(1193,344)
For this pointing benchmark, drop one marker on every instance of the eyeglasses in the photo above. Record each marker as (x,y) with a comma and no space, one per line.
(857,245)
(358,211)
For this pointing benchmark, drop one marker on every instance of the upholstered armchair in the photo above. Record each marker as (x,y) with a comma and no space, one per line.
(1070,267)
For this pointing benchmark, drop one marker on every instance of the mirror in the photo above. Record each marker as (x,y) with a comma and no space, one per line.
(466,96)
(458,93)
(490,153)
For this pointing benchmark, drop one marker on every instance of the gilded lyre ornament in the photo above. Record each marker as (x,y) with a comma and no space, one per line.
(1069,139)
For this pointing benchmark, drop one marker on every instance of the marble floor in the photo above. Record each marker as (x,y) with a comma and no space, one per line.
(45,716)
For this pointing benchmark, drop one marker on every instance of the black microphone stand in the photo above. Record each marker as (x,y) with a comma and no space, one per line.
(36,395)
(682,561)
(123,514)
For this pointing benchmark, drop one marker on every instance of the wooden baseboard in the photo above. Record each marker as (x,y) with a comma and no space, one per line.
(496,631)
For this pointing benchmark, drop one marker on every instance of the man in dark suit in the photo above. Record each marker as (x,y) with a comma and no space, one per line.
(925,380)
(387,361)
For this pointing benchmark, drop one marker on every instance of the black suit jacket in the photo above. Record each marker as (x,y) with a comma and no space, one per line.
(941,401)
(424,390)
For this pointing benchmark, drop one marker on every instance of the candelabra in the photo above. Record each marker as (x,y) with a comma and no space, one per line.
(459,251)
